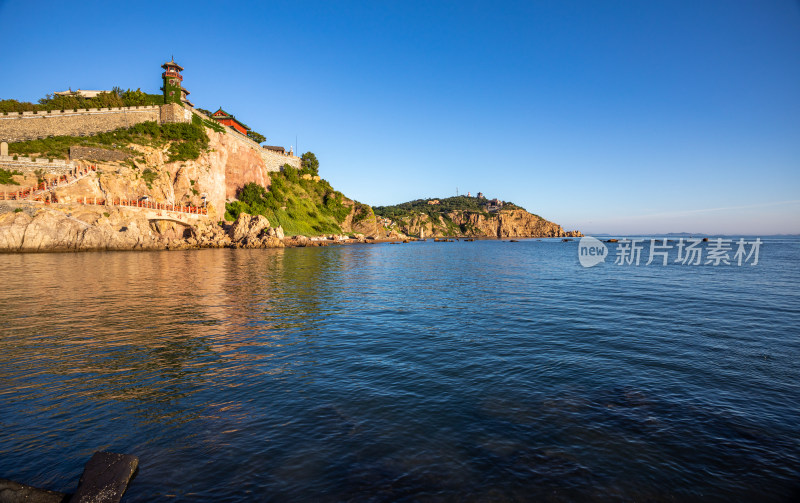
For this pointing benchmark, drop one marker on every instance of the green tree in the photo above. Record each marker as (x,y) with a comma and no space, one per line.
(134,98)
(256,137)
(310,163)
(16,106)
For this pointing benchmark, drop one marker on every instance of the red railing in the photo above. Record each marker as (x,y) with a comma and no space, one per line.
(30,193)
(151,205)
(77,174)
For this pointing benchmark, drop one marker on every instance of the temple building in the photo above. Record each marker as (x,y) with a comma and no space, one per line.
(229,120)
(173,88)
(185,97)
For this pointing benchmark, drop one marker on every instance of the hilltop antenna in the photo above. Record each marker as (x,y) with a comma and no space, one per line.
(295,144)
(456,191)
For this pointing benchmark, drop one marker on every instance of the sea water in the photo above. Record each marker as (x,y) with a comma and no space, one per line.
(464,371)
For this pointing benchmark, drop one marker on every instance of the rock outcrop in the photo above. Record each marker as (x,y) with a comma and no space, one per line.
(504,224)
(250,231)
(83,228)
(361,220)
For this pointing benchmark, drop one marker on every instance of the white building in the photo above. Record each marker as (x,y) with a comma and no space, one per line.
(80,93)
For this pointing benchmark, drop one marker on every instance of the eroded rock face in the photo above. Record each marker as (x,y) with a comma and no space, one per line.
(211,179)
(210,235)
(505,224)
(253,231)
(248,227)
(82,228)
(368,226)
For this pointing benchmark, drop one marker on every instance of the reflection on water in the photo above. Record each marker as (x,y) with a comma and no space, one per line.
(462,371)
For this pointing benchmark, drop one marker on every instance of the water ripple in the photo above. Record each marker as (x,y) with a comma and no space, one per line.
(458,372)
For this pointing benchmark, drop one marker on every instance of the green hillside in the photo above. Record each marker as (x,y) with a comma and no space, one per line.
(403,211)
(298,203)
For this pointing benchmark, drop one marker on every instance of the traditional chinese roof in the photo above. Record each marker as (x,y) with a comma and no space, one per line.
(222,114)
(184,90)
(172,64)
(275,148)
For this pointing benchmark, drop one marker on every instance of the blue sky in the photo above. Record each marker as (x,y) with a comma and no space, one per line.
(604,116)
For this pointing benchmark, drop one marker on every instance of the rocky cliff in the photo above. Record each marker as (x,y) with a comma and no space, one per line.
(82,228)
(504,224)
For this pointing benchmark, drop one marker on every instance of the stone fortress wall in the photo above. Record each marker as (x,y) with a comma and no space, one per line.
(86,122)
(15,126)
(273,160)
(27,165)
(83,122)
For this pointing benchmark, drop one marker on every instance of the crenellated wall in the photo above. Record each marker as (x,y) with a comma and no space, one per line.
(275,161)
(24,126)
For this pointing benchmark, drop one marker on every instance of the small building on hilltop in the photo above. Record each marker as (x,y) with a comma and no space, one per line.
(80,93)
(229,120)
(273,148)
(494,205)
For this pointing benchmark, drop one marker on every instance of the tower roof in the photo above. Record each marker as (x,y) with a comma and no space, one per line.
(172,64)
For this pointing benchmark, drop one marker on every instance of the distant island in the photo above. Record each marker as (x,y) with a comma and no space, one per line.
(121,170)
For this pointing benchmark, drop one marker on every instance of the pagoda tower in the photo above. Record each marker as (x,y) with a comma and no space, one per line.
(172,82)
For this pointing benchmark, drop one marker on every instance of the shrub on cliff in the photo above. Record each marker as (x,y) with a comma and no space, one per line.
(300,206)
(362,212)
(211,124)
(188,141)
(6,177)
(149,176)
(185,132)
(335,207)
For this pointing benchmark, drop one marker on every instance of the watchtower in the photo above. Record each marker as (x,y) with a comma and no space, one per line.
(172,82)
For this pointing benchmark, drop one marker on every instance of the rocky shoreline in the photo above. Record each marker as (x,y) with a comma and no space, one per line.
(26,227)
